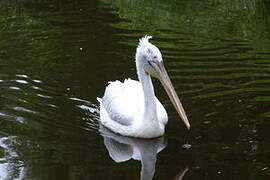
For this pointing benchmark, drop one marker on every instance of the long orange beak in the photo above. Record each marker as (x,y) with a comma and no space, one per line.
(162,75)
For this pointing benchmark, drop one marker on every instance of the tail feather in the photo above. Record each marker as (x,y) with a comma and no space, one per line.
(99,99)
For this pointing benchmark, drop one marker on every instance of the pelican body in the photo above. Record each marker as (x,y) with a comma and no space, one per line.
(131,108)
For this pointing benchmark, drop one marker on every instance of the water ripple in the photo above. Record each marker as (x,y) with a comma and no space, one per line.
(10,169)
(225,68)
(21,81)
(36,103)
(22,75)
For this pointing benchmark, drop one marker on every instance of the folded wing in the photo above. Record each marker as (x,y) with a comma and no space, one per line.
(123,101)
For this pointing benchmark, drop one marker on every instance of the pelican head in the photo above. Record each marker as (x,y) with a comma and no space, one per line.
(151,63)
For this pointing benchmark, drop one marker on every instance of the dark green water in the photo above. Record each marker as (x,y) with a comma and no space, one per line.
(56,57)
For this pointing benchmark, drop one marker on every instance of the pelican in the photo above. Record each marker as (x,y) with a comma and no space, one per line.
(131,108)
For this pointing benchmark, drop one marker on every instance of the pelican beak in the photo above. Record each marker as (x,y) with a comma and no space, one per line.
(160,72)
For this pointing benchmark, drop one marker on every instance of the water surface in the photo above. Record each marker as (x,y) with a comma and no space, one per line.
(56,57)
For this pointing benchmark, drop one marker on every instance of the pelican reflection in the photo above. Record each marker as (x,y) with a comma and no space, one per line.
(122,148)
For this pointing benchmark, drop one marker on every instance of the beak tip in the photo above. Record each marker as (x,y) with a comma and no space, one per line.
(188,126)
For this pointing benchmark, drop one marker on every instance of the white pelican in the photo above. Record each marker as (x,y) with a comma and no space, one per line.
(131,108)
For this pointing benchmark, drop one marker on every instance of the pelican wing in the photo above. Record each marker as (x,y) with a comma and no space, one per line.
(123,100)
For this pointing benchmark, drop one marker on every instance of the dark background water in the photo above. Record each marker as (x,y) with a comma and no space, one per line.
(57,56)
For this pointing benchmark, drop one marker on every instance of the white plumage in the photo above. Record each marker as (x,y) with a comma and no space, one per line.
(131,108)
(122,111)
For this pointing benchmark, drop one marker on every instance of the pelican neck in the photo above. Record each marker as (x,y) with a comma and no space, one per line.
(148,92)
